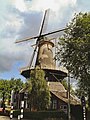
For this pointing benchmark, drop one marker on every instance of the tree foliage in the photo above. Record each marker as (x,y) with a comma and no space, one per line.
(74,50)
(39,94)
(4,87)
(7,85)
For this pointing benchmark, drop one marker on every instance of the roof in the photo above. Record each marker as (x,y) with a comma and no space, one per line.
(23,90)
(56,86)
(58,90)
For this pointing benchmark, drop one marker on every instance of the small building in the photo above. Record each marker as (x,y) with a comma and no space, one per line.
(59,97)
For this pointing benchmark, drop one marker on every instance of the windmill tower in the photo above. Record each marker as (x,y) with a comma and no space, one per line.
(44,57)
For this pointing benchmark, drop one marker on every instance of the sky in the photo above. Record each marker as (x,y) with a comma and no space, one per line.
(22,18)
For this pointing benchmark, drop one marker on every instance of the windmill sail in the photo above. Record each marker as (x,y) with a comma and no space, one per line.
(44,57)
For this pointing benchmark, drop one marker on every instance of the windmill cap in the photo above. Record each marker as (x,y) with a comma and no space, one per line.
(46,42)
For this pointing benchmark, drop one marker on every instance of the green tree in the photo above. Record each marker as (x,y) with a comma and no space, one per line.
(6,86)
(74,50)
(4,89)
(15,84)
(39,95)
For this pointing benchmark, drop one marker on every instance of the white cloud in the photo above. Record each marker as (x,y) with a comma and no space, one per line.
(11,23)
(20,5)
(14,22)
(58,10)
(22,18)
(52,4)
(57,7)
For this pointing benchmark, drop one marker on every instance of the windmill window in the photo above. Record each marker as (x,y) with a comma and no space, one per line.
(47,78)
(54,104)
(63,108)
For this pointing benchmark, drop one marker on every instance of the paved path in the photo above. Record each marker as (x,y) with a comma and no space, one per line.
(7,118)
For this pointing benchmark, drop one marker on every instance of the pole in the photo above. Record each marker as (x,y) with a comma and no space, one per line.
(12,100)
(83,107)
(3,101)
(11,112)
(22,110)
(69,116)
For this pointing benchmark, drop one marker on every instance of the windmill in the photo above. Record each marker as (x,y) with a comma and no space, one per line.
(44,57)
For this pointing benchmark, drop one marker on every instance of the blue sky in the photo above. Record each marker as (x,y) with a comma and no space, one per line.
(22,18)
